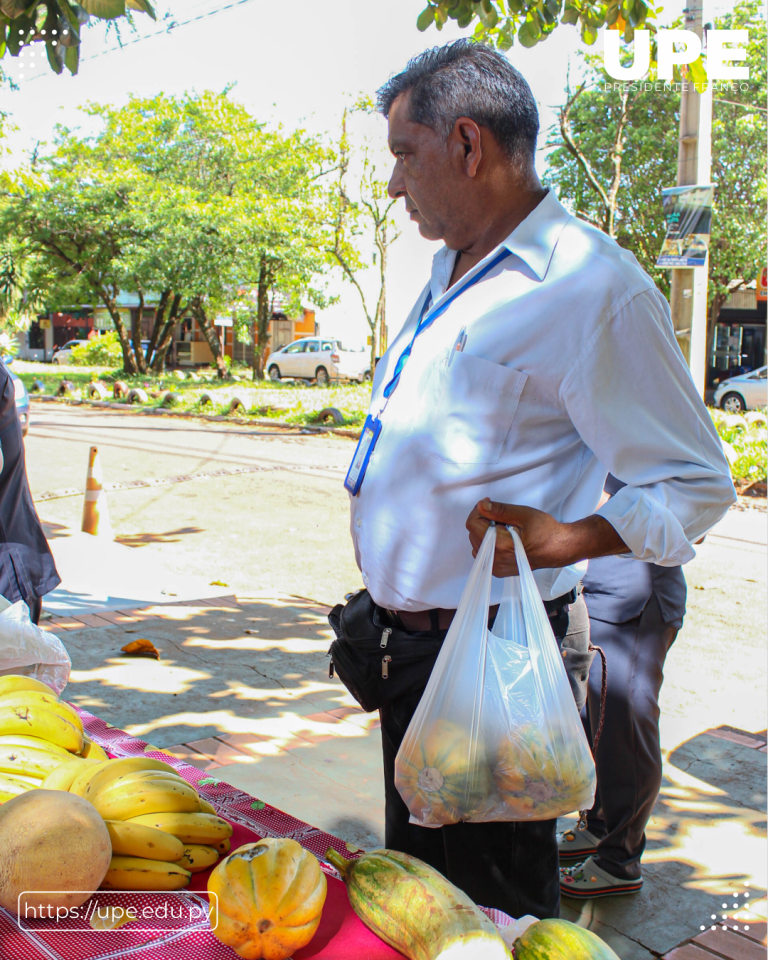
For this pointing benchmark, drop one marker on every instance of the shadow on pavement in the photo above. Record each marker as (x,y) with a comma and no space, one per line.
(170,536)
(242,690)
(705,849)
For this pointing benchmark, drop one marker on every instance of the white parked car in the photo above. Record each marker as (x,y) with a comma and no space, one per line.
(64,354)
(746,392)
(318,358)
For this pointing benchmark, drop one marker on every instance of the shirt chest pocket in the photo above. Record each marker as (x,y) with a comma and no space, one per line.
(474,402)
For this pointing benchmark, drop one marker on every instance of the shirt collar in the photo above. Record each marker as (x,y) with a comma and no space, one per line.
(534,240)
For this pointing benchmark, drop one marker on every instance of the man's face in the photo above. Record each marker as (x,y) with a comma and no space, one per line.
(425,174)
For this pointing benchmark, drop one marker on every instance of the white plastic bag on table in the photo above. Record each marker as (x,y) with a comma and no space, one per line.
(496,735)
(27,650)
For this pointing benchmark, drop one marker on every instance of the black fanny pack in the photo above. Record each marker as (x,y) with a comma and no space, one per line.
(377,661)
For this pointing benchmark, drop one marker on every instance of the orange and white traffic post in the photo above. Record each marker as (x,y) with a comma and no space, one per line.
(95,512)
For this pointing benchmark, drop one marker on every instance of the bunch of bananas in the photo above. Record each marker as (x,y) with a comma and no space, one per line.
(162,831)
(38,733)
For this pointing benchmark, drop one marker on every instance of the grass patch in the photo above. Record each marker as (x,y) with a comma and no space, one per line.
(294,402)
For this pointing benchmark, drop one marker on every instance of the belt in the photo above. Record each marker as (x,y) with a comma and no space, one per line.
(441,619)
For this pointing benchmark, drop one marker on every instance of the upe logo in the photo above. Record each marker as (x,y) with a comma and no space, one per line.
(667,57)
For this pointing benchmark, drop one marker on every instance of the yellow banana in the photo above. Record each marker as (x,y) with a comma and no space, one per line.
(222,846)
(90,785)
(28,698)
(25,760)
(207,807)
(198,857)
(83,779)
(35,743)
(135,781)
(137,840)
(136,777)
(188,827)
(39,720)
(148,796)
(61,778)
(140,873)
(14,784)
(93,750)
(120,767)
(13,683)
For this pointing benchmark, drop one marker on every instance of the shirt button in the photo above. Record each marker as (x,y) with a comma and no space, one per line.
(365,580)
(359,522)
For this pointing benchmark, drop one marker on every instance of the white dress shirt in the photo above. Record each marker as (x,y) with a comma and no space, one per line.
(570,370)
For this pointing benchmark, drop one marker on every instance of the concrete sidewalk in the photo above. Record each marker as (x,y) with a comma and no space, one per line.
(241,689)
(89,584)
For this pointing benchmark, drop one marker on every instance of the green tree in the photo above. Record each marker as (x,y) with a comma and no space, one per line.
(615,149)
(185,200)
(58,24)
(499,22)
(230,207)
(365,219)
(74,223)
(739,131)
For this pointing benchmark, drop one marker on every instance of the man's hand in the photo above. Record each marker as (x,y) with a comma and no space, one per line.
(547,542)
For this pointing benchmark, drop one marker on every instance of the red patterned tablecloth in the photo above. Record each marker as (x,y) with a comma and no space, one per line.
(341,935)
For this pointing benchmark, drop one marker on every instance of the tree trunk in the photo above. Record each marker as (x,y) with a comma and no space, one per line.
(262,315)
(166,335)
(129,360)
(714,312)
(136,319)
(380,333)
(157,326)
(209,332)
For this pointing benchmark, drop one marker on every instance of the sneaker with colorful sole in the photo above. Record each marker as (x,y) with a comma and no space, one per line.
(574,846)
(589,881)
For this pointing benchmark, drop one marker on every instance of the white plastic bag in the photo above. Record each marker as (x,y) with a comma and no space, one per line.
(27,650)
(496,735)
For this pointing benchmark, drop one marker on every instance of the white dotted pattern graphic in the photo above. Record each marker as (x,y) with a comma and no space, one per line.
(740,918)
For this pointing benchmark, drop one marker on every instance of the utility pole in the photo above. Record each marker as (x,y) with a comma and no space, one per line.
(694,166)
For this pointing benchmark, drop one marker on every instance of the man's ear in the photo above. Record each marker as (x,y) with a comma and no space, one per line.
(466,136)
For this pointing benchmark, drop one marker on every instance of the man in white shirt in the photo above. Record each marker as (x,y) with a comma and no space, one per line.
(539,356)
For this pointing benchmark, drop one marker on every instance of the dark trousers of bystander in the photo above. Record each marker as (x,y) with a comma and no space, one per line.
(628,760)
(510,866)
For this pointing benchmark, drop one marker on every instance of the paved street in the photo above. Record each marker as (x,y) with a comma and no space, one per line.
(241,686)
(280,530)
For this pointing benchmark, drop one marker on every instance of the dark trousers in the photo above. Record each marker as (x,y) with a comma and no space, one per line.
(510,866)
(35,605)
(628,758)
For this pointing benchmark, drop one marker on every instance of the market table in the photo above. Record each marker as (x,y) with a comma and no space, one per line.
(340,936)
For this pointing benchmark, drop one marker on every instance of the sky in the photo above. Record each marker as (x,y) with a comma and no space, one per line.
(294,64)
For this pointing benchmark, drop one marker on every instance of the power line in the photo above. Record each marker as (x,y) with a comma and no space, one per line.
(745,106)
(171,26)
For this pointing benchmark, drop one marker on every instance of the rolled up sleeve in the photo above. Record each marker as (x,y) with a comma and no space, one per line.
(631,398)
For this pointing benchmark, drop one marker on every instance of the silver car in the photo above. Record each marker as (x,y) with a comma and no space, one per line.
(746,392)
(318,358)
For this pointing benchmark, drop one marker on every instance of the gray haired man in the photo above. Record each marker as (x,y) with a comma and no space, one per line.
(538,357)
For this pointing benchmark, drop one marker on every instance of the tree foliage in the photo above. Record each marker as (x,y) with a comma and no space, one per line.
(501,22)
(188,202)
(58,24)
(364,216)
(616,148)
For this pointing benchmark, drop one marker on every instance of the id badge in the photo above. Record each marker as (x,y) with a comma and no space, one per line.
(363,451)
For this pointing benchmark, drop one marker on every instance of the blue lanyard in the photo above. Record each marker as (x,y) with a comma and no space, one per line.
(427,321)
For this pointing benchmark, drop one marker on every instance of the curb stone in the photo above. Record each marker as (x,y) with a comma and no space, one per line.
(279,424)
